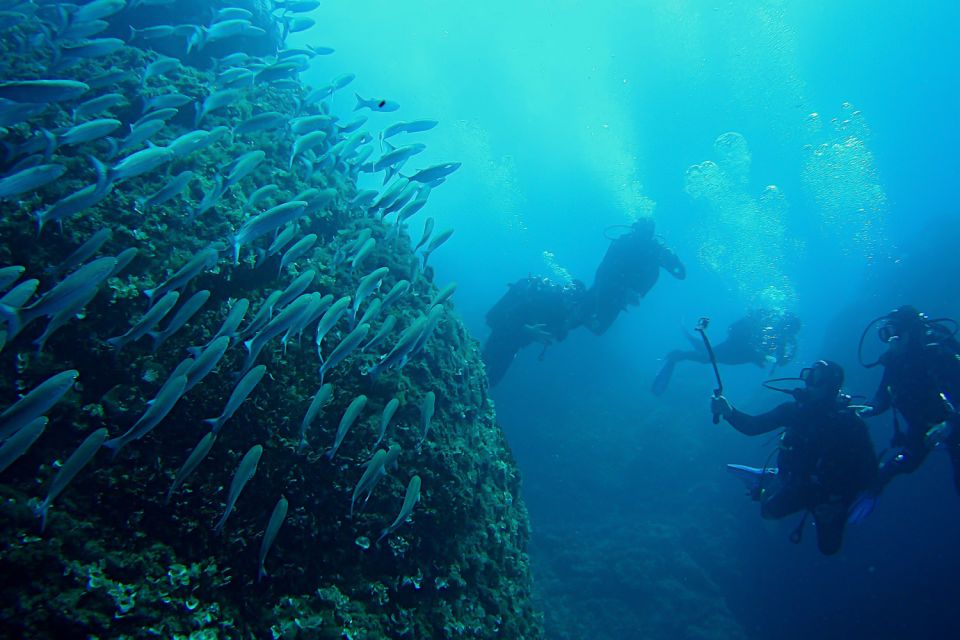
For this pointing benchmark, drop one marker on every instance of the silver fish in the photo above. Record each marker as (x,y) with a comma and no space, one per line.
(148,321)
(265,223)
(410,500)
(140,162)
(20,442)
(164,402)
(375,104)
(160,67)
(266,121)
(243,166)
(77,461)
(330,319)
(344,348)
(435,172)
(385,419)
(408,127)
(444,294)
(98,105)
(246,471)
(169,191)
(88,131)
(373,469)
(9,275)
(381,334)
(349,417)
(36,403)
(299,248)
(320,400)
(240,393)
(295,288)
(180,318)
(426,414)
(37,91)
(216,101)
(200,262)
(277,517)
(30,179)
(192,462)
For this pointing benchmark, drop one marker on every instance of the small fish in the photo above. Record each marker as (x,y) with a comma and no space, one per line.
(414,126)
(426,414)
(233,13)
(266,222)
(398,156)
(240,393)
(381,334)
(140,162)
(371,313)
(278,71)
(157,409)
(373,469)
(88,131)
(210,197)
(344,348)
(216,101)
(365,249)
(297,287)
(108,78)
(299,248)
(36,403)
(329,320)
(266,121)
(246,471)
(364,198)
(390,194)
(385,419)
(306,143)
(9,275)
(277,517)
(236,77)
(165,101)
(402,198)
(309,124)
(375,104)
(225,29)
(157,32)
(192,462)
(83,30)
(414,205)
(13,113)
(82,253)
(88,49)
(435,172)
(160,67)
(141,132)
(410,500)
(189,142)
(401,351)
(98,105)
(200,262)
(283,323)
(320,399)
(148,321)
(180,318)
(243,166)
(20,442)
(444,294)
(20,294)
(37,91)
(30,179)
(77,461)
(427,230)
(368,284)
(66,293)
(97,9)
(229,327)
(124,258)
(434,244)
(262,317)
(349,417)
(169,191)
(264,192)
(206,361)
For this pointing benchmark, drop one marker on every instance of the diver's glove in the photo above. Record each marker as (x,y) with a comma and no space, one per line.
(721,406)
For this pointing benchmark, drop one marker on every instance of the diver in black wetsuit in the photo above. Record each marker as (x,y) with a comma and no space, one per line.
(762,337)
(826,459)
(628,271)
(533,310)
(921,382)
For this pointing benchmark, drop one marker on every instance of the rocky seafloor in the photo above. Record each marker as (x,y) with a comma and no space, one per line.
(114,560)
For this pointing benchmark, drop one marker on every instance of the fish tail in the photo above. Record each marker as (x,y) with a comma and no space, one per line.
(41,512)
(361,103)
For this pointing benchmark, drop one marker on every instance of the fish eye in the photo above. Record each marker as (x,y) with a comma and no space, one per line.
(381,103)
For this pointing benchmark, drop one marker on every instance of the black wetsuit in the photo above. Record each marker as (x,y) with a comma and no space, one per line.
(826,461)
(760,337)
(912,384)
(628,271)
(532,310)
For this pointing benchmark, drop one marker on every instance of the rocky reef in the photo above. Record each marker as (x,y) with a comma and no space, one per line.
(114,560)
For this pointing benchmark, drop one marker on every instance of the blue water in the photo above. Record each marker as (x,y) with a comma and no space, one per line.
(572,116)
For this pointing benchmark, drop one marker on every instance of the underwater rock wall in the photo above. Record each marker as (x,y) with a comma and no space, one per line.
(114,559)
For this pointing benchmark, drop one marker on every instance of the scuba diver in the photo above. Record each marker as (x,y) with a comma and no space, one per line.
(532,310)
(762,337)
(921,381)
(627,272)
(826,465)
